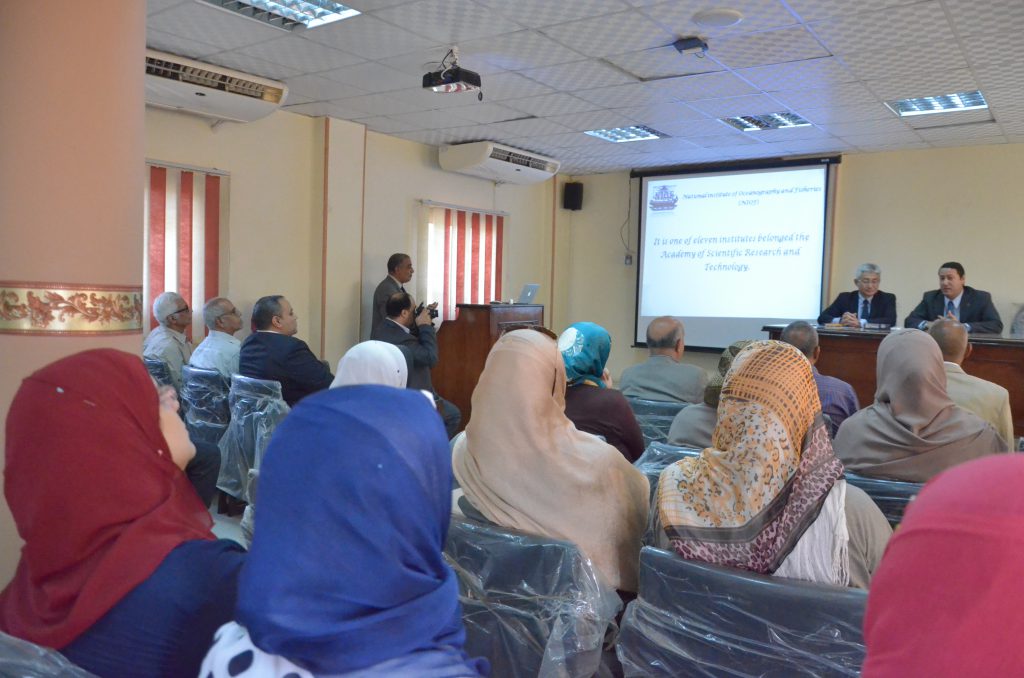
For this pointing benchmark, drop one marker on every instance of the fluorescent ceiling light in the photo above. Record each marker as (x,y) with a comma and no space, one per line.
(756,123)
(288,14)
(623,134)
(945,103)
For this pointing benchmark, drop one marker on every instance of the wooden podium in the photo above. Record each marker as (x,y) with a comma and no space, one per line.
(463,345)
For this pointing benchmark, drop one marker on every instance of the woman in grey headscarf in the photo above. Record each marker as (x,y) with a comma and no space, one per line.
(694,424)
(913,430)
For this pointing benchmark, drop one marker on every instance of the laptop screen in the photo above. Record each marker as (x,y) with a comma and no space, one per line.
(528,293)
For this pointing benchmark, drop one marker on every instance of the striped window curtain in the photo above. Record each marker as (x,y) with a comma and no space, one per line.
(464,257)
(182,237)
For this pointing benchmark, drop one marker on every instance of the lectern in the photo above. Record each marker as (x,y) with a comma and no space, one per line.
(463,345)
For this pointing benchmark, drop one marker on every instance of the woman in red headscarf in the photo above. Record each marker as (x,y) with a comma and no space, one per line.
(120,571)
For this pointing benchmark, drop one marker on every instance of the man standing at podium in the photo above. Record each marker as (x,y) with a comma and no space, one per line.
(956,301)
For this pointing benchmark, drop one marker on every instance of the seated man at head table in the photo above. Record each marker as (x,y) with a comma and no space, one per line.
(867,305)
(167,341)
(989,401)
(664,376)
(219,350)
(838,399)
(272,352)
(955,300)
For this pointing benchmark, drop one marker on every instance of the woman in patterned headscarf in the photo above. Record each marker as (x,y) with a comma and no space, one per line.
(590,401)
(769,495)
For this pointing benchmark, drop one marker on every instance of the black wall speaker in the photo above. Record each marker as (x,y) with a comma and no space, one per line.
(572,196)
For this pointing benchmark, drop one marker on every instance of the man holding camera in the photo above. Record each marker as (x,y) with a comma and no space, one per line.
(419,349)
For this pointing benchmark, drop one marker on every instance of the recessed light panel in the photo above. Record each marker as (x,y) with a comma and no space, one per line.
(944,103)
(288,14)
(755,123)
(623,134)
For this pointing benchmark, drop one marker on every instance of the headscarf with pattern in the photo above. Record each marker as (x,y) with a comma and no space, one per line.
(746,501)
(585,348)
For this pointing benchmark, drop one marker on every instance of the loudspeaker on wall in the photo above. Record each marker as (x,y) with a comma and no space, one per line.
(572,196)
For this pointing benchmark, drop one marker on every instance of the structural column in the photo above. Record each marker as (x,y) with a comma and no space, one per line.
(71,190)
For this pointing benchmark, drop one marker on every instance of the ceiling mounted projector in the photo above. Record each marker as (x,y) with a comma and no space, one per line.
(450,78)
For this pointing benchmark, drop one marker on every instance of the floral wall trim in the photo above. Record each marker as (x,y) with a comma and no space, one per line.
(69,309)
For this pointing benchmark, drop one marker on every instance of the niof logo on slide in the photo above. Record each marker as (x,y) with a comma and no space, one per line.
(664,199)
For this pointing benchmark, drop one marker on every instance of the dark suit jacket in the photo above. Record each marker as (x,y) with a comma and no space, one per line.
(883,308)
(976,309)
(385,289)
(420,350)
(269,355)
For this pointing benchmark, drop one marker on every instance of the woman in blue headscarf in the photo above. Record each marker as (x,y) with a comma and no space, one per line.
(590,401)
(345,576)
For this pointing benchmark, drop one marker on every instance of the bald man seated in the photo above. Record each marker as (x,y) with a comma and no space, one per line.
(664,376)
(989,401)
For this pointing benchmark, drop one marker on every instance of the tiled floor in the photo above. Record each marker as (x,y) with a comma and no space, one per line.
(225,527)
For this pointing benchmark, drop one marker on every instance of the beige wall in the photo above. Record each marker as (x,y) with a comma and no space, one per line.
(907,211)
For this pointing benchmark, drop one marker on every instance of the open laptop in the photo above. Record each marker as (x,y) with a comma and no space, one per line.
(528,293)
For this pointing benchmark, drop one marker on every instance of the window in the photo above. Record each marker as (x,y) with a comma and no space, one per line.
(182,237)
(464,257)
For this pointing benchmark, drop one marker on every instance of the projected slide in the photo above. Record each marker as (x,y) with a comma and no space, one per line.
(729,252)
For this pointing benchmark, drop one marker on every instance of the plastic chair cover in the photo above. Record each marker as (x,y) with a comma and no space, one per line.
(205,396)
(891,496)
(651,463)
(22,659)
(159,370)
(694,619)
(533,606)
(655,417)
(256,410)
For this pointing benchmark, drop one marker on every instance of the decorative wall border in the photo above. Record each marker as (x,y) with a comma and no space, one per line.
(69,309)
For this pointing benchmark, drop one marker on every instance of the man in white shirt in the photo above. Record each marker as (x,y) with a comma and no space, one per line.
(219,350)
(168,342)
(989,401)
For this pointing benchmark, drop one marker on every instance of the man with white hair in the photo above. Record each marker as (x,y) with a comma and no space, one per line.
(167,342)
(867,304)
(219,350)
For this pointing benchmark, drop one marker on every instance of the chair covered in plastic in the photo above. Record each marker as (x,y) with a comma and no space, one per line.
(22,659)
(655,417)
(651,463)
(533,606)
(695,619)
(891,496)
(159,370)
(256,409)
(205,396)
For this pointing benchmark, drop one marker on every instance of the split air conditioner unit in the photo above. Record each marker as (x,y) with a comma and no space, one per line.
(181,84)
(496,162)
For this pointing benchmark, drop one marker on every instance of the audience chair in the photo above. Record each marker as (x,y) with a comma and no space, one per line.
(892,496)
(22,659)
(533,606)
(205,395)
(159,370)
(256,409)
(695,619)
(651,463)
(655,417)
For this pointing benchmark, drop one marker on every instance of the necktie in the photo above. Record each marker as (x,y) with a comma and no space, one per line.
(950,308)
(865,309)
(402,288)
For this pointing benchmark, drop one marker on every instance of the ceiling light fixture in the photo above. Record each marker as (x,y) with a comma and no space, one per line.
(756,123)
(288,14)
(450,78)
(944,103)
(620,135)
(692,44)
(720,17)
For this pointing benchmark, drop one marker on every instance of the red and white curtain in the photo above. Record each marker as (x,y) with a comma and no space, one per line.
(464,252)
(182,241)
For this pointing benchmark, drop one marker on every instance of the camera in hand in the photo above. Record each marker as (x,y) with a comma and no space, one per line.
(419,309)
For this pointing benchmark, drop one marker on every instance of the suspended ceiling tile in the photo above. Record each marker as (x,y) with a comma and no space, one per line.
(186,47)
(1004,77)
(486,113)
(578,75)
(506,86)
(758,15)
(301,55)
(837,96)
(752,104)
(432,119)
(855,113)
(813,10)
(620,96)
(697,128)
(551,104)
(154,6)
(583,122)
(419,99)
(519,50)
(719,140)
(883,139)
(252,65)
(369,37)
(924,84)
(905,61)
(657,114)
(981,18)
(535,13)
(205,23)
(823,146)
(372,77)
(386,125)
(948,119)
(769,47)
(374,104)
(995,48)
(567,140)
(449,21)
(321,89)
(611,34)
(530,127)
(773,136)
(883,126)
(703,86)
(816,72)
(885,29)
(663,62)
(428,60)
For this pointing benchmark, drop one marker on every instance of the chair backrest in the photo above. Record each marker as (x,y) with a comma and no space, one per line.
(256,409)
(691,618)
(533,606)
(651,463)
(654,417)
(205,394)
(22,659)
(159,370)
(891,496)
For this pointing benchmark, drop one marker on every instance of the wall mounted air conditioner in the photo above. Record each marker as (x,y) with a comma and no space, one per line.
(181,84)
(496,162)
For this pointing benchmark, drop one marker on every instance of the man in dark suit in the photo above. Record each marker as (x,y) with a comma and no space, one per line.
(972,308)
(272,352)
(419,349)
(400,271)
(867,305)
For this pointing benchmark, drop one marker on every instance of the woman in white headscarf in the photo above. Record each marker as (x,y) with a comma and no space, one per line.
(372,362)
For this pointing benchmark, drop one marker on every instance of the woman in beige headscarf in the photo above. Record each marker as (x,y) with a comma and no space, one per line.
(913,430)
(524,465)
